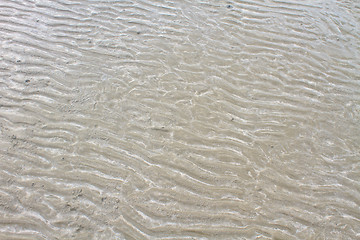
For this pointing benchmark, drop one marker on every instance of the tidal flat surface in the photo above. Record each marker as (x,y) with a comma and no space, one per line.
(156,119)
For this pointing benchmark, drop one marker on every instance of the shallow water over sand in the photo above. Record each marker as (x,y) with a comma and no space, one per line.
(179,119)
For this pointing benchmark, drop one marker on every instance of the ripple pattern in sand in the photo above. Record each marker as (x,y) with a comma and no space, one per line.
(156,119)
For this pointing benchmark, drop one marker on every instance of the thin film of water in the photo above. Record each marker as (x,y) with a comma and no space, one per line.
(157,119)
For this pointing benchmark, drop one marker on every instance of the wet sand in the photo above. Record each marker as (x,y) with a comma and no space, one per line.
(179,119)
